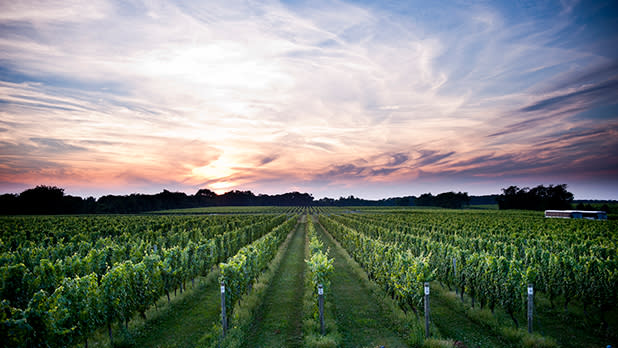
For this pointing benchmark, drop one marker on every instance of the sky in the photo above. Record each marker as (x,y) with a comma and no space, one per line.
(373,99)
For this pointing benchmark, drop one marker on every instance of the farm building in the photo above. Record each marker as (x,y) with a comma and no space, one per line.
(576,214)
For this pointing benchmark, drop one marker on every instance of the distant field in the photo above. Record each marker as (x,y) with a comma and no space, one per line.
(230,210)
(484,206)
(153,280)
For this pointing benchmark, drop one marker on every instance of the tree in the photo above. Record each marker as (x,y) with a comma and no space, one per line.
(42,200)
(537,198)
(449,200)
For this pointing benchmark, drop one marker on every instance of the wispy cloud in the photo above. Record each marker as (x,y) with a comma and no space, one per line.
(56,146)
(399,158)
(244,94)
(603,91)
(268,159)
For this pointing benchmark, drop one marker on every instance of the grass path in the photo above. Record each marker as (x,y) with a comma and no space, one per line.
(456,325)
(359,318)
(184,322)
(278,322)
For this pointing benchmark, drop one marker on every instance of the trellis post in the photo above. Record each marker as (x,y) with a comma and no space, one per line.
(426,286)
(321,307)
(223,314)
(530,306)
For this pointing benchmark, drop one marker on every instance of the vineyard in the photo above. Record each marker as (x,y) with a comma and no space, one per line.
(104,280)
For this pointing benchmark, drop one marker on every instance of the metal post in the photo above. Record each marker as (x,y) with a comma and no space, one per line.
(223,315)
(455,273)
(530,306)
(321,307)
(426,285)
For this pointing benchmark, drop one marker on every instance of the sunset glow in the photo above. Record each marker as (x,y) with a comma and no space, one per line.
(331,98)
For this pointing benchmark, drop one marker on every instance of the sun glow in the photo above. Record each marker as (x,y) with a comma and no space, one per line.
(221,186)
(219,169)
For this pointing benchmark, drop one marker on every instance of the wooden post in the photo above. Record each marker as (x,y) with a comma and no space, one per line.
(530,306)
(426,285)
(455,273)
(223,315)
(321,307)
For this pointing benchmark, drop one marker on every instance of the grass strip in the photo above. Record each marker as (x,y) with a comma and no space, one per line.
(311,325)
(278,322)
(480,328)
(247,309)
(179,323)
(449,315)
(366,316)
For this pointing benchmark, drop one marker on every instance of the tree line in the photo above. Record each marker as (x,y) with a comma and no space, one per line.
(52,200)
(537,198)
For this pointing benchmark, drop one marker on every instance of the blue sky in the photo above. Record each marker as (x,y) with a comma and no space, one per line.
(370,98)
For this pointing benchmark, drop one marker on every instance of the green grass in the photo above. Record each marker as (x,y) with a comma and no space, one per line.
(448,314)
(573,328)
(243,317)
(278,321)
(311,324)
(360,319)
(483,206)
(184,322)
(178,324)
(552,327)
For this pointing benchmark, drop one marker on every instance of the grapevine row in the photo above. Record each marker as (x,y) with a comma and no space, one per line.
(395,269)
(82,303)
(496,273)
(320,266)
(239,272)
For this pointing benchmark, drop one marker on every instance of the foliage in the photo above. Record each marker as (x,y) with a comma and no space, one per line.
(63,277)
(52,200)
(394,268)
(68,276)
(320,270)
(537,198)
(449,200)
(239,272)
(241,314)
(496,255)
(319,265)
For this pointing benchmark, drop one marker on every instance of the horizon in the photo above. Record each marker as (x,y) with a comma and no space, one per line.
(309,193)
(331,98)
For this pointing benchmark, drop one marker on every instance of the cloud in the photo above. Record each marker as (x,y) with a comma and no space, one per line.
(352,172)
(602,91)
(383,171)
(604,70)
(342,170)
(576,135)
(568,155)
(483,160)
(399,158)
(428,157)
(188,93)
(49,12)
(56,146)
(268,159)
(520,126)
